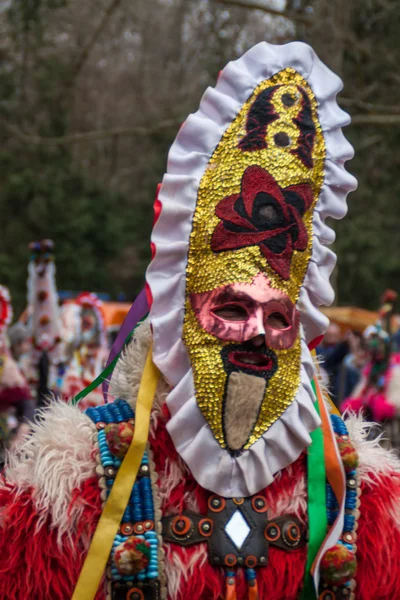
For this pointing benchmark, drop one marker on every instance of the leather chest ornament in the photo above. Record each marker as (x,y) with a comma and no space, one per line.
(149,590)
(237,531)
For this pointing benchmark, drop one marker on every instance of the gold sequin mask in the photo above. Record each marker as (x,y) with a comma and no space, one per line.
(250,246)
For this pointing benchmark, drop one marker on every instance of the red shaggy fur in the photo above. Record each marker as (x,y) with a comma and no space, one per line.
(284,575)
(378,541)
(34,565)
(280,581)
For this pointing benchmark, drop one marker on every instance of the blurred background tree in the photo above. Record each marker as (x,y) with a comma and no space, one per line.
(92,94)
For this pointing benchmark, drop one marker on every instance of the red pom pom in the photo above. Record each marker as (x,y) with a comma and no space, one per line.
(132,556)
(347,452)
(119,437)
(338,565)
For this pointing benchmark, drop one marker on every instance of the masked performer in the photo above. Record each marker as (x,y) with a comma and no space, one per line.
(14,391)
(218,472)
(89,347)
(69,345)
(378,393)
(41,364)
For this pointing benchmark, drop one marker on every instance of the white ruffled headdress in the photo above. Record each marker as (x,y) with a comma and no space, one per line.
(213,467)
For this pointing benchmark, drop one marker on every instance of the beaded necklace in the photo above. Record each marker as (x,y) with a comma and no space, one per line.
(135,560)
(339,563)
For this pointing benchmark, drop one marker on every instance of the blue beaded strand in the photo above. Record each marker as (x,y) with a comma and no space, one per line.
(140,508)
(332,506)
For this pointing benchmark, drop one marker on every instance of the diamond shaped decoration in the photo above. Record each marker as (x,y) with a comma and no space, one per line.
(237,529)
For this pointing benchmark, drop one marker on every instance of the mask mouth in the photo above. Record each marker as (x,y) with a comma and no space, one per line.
(250,359)
(254,360)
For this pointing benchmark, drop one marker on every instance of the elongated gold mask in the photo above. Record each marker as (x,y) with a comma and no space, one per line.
(253,225)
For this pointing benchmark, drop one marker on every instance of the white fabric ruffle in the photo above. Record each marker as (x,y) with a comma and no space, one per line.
(213,467)
(189,155)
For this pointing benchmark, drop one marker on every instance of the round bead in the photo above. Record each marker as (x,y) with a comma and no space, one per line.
(251,561)
(126,529)
(238,501)
(259,504)
(135,594)
(230,560)
(153,574)
(327,595)
(348,537)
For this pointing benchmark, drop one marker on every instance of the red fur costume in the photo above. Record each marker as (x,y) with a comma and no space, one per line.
(41,554)
(35,564)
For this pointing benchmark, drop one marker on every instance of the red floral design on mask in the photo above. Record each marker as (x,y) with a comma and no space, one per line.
(264,215)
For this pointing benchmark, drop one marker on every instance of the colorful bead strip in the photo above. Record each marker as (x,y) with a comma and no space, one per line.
(114,423)
(352,503)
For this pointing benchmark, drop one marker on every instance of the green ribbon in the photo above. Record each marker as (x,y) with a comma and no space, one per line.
(317,517)
(316,482)
(107,371)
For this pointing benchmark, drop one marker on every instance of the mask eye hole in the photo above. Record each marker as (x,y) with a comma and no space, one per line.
(231,312)
(277,320)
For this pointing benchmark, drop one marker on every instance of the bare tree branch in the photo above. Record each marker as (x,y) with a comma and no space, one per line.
(381,15)
(269,11)
(375,120)
(373,140)
(91,136)
(95,36)
(328,32)
(94,136)
(370,107)
(367,91)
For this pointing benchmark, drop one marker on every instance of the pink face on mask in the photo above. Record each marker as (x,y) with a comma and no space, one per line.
(243,311)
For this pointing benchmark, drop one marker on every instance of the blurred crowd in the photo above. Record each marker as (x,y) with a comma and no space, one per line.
(342,357)
(362,370)
(55,348)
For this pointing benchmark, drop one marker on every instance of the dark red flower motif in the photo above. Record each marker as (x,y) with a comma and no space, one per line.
(264,215)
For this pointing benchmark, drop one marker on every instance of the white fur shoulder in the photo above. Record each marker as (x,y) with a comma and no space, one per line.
(128,372)
(375,461)
(56,459)
(127,375)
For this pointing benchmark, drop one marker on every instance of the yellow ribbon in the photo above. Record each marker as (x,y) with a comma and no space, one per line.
(110,519)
